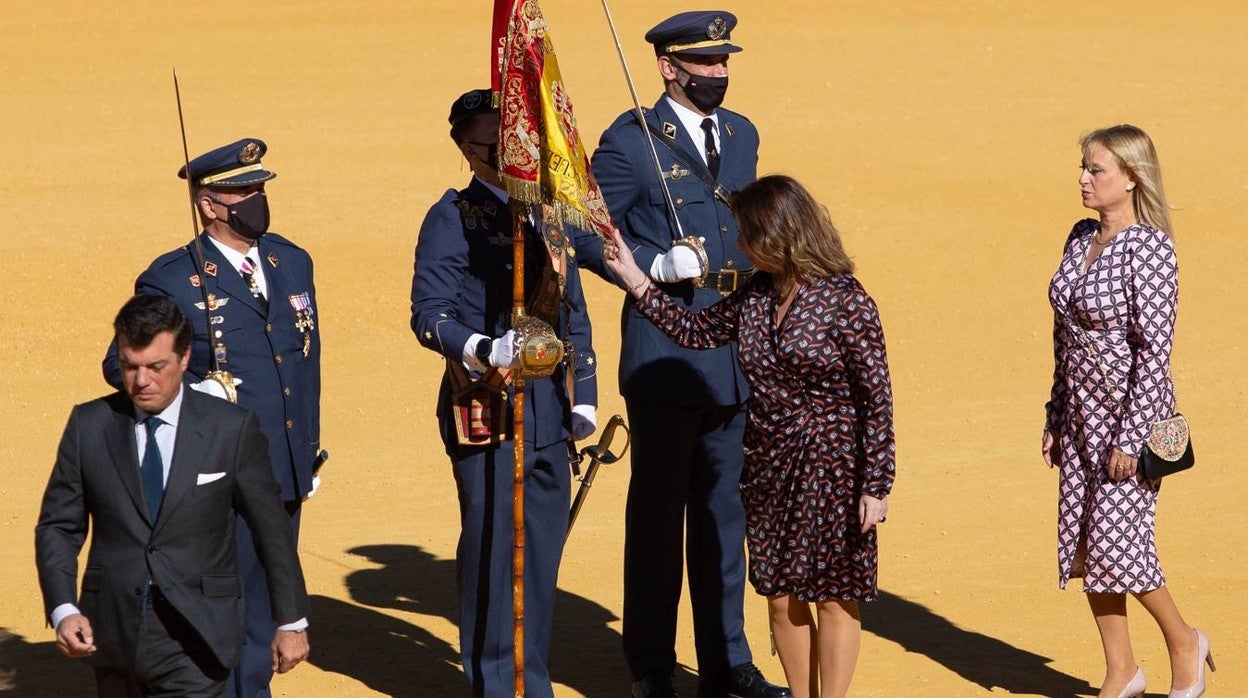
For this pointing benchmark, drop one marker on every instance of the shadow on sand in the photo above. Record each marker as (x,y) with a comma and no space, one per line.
(980,659)
(397,658)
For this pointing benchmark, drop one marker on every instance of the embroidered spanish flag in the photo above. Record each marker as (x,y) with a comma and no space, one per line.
(543,161)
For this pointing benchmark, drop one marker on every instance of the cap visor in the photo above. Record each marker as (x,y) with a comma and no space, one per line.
(245,179)
(710,50)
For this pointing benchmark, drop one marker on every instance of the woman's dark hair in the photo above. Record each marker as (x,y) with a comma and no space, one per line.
(788,233)
(145,316)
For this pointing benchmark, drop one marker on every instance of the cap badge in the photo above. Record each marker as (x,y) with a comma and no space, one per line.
(249,154)
(472,100)
(716,29)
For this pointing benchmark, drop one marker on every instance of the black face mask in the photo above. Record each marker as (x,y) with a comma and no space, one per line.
(491,154)
(705,92)
(249,217)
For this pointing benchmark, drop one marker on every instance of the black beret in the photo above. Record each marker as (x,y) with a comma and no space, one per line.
(469,104)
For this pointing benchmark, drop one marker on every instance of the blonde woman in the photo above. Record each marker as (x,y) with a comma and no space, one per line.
(819,460)
(1114,299)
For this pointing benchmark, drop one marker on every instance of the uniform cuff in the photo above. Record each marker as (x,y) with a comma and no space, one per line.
(470,353)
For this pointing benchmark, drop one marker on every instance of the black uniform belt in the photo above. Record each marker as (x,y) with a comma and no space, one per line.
(725,281)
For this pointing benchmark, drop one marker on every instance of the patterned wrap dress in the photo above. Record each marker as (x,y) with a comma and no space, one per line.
(1126,303)
(819,431)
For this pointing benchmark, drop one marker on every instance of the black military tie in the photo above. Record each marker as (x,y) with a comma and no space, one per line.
(248,270)
(712,153)
(152,469)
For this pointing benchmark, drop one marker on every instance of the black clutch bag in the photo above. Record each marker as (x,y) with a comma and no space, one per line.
(1168,449)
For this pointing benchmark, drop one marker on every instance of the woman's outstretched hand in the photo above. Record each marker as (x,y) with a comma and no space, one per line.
(619,259)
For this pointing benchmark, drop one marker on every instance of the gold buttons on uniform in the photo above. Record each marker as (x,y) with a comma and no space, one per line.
(730,264)
(723,228)
(278,358)
(268,327)
(286,392)
(679,201)
(290,424)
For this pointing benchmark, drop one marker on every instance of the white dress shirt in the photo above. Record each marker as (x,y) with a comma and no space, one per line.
(692,122)
(235,258)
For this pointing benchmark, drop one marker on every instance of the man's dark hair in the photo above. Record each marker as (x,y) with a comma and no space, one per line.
(145,316)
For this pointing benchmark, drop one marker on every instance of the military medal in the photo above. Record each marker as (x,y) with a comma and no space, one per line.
(302,303)
(219,353)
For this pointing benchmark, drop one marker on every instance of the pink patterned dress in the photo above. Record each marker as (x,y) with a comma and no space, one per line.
(819,432)
(1126,304)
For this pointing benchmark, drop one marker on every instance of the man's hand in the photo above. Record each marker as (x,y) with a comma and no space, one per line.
(289,648)
(676,264)
(505,351)
(584,421)
(74,638)
(213,387)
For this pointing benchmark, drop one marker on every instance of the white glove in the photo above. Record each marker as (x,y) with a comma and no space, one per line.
(584,421)
(676,264)
(214,388)
(316,485)
(505,351)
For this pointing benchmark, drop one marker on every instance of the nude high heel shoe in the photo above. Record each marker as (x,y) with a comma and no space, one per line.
(1135,687)
(1204,656)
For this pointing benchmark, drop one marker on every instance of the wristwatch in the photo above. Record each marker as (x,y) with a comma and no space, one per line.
(482,352)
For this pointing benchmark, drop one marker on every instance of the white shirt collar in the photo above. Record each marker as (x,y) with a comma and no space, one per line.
(234,257)
(692,121)
(169,415)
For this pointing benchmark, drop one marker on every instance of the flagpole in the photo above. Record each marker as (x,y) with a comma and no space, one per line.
(517,487)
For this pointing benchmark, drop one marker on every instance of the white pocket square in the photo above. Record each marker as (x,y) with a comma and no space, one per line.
(205,478)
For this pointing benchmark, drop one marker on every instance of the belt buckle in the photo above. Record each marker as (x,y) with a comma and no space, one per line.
(719,281)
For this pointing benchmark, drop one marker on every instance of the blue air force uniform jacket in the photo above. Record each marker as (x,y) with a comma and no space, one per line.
(266,351)
(463,285)
(652,367)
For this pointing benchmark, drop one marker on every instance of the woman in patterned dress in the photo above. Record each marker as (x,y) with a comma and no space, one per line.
(1114,299)
(819,459)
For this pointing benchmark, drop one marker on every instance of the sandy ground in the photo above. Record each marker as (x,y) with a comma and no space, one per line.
(942,136)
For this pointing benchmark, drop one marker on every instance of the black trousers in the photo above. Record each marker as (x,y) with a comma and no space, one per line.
(170,660)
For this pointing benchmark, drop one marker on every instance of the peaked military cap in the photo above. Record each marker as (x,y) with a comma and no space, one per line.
(701,32)
(233,165)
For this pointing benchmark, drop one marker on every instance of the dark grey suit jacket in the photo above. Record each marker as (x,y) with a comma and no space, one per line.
(190,552)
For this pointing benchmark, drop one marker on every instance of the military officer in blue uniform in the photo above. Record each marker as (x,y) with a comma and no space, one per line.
(252,302)
(686,408)
(461,306)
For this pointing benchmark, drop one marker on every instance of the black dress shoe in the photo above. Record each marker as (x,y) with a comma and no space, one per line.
(741,681)
(655,687)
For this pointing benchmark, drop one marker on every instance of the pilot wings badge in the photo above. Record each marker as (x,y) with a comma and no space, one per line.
(213,304)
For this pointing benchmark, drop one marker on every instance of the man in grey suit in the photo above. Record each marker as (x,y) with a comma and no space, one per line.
(162,472)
